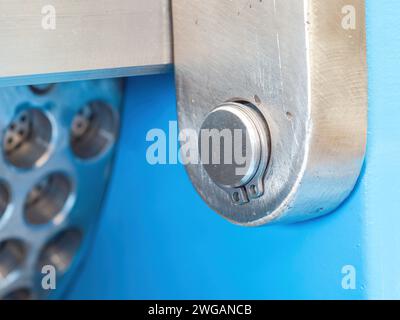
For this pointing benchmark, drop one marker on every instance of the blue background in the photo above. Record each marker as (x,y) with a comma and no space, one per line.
(158,240)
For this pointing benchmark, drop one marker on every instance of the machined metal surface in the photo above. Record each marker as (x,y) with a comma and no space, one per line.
(89,39)
(55,164)
(304,71)
(234,144)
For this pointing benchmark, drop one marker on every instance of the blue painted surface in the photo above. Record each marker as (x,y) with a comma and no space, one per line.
(382,181)
(157,239)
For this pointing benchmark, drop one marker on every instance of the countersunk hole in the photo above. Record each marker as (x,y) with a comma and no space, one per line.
(5,197)
(93,130)
(47,198)
(27,138)
(12,256)
(61,250)
(19,294)
(41,89)
(236,197)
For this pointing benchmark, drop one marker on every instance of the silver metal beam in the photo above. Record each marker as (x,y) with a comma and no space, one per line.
(91,39)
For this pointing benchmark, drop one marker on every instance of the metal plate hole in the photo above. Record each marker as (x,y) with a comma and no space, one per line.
(41,89)
(61,250)
(27,138)
(12,256)
(47,199)
(4,198)
(93,130)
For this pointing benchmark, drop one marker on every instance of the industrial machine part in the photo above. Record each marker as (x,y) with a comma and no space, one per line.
(58,139)
(57,150)
(242,182)
(289,74)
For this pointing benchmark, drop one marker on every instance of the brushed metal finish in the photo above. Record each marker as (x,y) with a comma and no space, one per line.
(92,39)
(305,73)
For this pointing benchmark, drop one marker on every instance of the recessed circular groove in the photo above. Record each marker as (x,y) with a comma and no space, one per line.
(20,294)
(93,130)
(12,256)
(47,199)
(61,250)
(5,197)
(27,138)
(41,89)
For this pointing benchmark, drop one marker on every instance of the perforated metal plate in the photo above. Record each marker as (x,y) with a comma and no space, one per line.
(56,159)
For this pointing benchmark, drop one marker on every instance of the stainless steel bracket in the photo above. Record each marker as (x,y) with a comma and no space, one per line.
(302,65)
